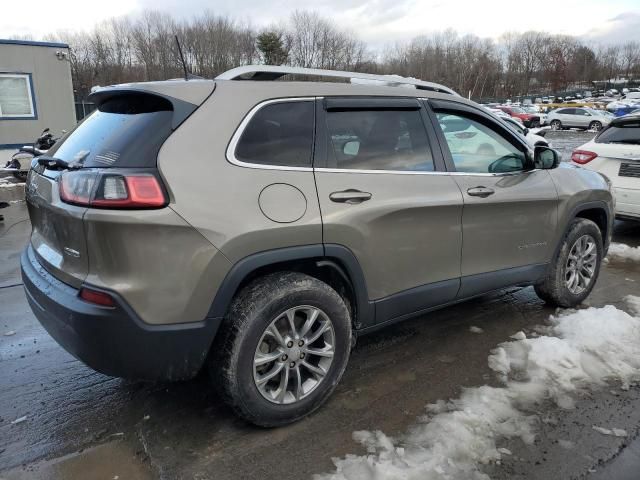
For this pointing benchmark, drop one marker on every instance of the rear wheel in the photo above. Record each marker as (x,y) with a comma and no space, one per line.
(283,349)
(573,274)
(595,126)
(556,125)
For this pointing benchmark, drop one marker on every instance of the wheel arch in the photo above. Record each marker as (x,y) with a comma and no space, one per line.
(598,215)
(333,264)
(597,212)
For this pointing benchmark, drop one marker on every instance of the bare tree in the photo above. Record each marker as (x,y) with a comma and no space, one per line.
(143,48)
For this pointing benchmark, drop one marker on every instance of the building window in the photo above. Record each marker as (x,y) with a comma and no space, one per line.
(16,96)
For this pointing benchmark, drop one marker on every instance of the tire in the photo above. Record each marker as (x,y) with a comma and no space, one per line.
(556,125)
(263,305)
(555,288)
(595,126)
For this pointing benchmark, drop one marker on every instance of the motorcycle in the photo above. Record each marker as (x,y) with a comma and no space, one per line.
(20,162)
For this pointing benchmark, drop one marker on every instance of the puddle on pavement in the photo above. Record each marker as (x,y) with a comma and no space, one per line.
(109,461)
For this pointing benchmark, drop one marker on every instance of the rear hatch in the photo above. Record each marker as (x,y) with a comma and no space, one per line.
(107,161)
(620,144)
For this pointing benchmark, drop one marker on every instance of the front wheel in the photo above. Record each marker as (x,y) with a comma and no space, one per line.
(573,273)
(556,125)
(283,349)
(595,126)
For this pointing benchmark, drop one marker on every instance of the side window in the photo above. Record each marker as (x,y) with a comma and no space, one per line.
(476,148)
(378,140)
(279,134)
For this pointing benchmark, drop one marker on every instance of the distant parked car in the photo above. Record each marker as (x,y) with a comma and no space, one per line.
(536,111)
(499,113)
(529,119)
(631,97)
(615,152)
(533,136)
(586,118)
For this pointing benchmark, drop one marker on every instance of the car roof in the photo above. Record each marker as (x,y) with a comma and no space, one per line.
(272,72)
(277,89)
(259,81)
(260,90)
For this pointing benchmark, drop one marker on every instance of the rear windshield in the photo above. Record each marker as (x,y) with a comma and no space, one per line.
(627,133)
(125,131)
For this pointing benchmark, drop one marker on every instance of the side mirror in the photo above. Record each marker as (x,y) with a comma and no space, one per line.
(546,158)
(351,148)
(525,131)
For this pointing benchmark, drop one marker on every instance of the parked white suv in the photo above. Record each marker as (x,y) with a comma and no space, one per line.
(533,136)
(615,152)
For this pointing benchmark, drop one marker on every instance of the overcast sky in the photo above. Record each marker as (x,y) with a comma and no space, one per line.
(378,22)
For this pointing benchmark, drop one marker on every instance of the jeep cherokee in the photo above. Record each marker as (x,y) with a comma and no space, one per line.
(256,226)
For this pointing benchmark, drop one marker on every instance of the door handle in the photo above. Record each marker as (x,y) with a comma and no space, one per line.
(350,196)
(482,192)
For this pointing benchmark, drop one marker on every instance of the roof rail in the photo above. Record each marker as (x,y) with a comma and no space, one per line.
(271,72)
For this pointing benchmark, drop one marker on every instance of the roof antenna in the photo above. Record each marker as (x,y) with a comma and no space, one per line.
(184,64)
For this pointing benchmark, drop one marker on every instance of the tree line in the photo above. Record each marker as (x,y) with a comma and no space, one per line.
(142,48)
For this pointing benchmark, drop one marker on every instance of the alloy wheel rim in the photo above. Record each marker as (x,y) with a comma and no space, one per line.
(555,126)
(581,264)
(294,354)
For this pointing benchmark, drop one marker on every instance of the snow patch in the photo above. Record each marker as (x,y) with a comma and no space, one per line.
(566,444)
(476,330)
(616,432)
(622,252)
(579,350)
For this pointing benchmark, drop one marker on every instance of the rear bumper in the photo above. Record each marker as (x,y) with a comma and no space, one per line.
(627,202)
(114,341)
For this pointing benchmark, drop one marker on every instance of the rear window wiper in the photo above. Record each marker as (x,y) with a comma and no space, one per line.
(57,163)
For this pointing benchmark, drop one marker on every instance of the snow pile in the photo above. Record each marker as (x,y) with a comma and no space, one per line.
(580,350)
(622,252)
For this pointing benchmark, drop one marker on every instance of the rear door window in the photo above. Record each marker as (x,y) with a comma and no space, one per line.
(378,140)
(279,134)
(124,131)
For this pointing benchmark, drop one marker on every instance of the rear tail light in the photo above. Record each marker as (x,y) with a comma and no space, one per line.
(96,297)
(583,156)
(112,190)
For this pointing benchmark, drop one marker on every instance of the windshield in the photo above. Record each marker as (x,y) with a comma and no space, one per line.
(628,133)
(517,110)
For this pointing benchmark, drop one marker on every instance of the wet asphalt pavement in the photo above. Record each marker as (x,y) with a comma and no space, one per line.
(81,424)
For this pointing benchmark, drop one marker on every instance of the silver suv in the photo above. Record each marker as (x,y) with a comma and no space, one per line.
(258,226)
(587,118)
